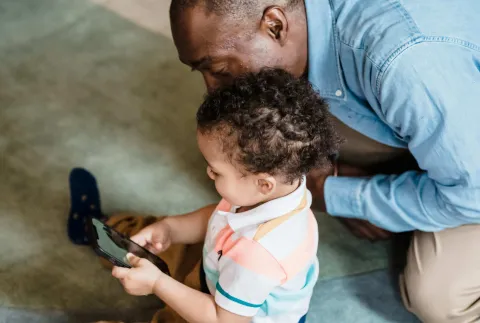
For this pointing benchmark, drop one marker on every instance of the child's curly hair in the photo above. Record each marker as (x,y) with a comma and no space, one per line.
(271,122)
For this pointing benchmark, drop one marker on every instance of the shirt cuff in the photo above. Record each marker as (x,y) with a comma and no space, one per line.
(235,305)
(342,196)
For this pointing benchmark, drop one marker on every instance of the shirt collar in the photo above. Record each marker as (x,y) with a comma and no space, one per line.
(324,70)
(270,210)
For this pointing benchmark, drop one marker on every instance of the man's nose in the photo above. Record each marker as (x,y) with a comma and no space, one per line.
(210,82)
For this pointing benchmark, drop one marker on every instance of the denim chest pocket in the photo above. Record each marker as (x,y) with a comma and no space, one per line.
(362,118)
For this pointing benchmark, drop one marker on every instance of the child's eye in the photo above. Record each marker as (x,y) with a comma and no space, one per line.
(211,173)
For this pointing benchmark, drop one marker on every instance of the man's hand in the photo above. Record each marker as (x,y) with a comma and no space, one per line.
(365,230)
(139,280)
(360,228)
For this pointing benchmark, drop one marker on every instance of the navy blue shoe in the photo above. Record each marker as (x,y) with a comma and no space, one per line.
(85,202)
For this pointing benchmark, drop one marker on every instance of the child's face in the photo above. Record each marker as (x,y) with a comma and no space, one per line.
(237,188)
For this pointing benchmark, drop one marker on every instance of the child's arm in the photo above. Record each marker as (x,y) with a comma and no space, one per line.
(194,306)
(188,228)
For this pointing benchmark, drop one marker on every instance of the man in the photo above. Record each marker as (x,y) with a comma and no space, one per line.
(402,78)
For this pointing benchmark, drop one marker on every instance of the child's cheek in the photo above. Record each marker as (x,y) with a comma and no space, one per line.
(225,190)
(220,186)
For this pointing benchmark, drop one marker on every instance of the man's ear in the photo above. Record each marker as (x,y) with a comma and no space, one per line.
(274,23)
(266,184)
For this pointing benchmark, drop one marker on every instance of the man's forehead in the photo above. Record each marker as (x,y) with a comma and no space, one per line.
(209,29)
(203,52)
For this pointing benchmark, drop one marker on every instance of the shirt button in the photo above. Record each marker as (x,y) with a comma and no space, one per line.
(338,93)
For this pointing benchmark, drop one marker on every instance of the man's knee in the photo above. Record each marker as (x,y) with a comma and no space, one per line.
(440,283)
(428,298)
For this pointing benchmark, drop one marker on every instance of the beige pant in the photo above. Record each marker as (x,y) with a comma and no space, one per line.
(441,282)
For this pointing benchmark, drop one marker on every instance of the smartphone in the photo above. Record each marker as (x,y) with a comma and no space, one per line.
(114,246)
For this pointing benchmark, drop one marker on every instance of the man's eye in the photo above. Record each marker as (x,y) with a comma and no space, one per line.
(221,73)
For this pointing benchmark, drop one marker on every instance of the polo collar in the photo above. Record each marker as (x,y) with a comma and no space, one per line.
(270,210)
(324,70)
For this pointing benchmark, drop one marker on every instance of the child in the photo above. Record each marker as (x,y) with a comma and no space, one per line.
(259,137)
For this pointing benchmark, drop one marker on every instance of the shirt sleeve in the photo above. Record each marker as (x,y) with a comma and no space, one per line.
(248,274)
(430,97)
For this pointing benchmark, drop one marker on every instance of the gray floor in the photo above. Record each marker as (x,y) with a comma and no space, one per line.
(15,315)
(368,298)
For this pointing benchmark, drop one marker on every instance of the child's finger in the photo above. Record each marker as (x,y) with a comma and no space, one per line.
(143,237)
(133,260)
(139,239)
(159,246)
(119,272)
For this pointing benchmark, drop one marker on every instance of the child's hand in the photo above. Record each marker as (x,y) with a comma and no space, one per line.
(141,278)
(156,237)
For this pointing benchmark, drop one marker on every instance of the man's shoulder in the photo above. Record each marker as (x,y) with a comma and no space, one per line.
(381,30)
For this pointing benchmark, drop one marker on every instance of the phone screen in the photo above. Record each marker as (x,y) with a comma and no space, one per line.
(111,242)
(117,246)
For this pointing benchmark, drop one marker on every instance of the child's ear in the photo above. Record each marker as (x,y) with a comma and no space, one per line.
(266,184)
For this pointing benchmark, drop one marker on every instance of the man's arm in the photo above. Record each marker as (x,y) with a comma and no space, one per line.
(430,96)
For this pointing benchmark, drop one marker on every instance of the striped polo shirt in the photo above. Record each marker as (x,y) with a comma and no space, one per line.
(262,263)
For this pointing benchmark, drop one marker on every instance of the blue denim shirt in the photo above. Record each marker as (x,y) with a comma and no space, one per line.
(407,74)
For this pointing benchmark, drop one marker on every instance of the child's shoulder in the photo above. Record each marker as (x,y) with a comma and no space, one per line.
(290,245)
(285,234)
(289,228)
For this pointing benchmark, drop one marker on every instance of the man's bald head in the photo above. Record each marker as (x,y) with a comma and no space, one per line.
(226,38)
(234,8)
